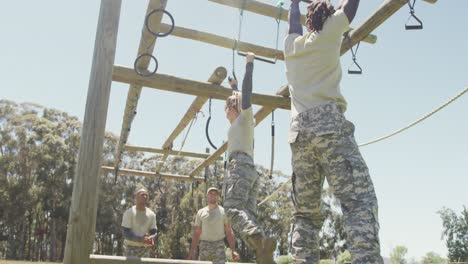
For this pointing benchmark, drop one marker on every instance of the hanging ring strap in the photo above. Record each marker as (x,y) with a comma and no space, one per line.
(272,143)
(419,24)
(354,53)
(236,44)
(144,73)
(116,174)
(159,34)
(207,128)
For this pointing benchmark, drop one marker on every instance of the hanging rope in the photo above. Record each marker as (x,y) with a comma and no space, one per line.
(194,119)
(207,128)
(272,143)
(417,121)
(380,139)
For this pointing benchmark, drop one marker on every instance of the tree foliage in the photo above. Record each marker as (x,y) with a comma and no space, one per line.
(455,233)
(398,255)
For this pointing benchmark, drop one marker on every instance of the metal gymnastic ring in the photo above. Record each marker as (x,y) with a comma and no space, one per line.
(159,34)
(135,65)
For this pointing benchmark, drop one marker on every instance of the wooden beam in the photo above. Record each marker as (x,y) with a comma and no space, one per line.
(223,42)
(166,151)
(150,174)
(146,45)
(259,116)
(273,11)
(217,77)
(179,85)
(427,1)
(103,259)
(386,10)
(82,219)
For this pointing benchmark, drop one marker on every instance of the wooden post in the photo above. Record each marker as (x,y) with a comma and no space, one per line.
(83,210)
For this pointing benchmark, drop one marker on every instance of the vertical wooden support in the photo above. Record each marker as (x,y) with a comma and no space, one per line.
(83,210)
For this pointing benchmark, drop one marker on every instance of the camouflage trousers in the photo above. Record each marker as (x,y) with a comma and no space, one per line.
(240,195)
(323,145)
(212,251)
(140,252)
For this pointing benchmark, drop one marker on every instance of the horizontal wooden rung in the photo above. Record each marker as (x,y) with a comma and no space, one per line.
(185,86)
(165,176)
(223,42)
(167,151)
(273,11)
(104,259)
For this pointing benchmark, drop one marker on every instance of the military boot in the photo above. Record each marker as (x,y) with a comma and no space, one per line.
(269,247)
(255,242)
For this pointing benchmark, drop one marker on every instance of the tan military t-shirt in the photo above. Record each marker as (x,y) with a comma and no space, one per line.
(140,222)
(241,133)
(211,223)
(313,65)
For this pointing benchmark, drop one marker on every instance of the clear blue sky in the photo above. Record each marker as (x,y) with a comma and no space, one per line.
(47,47)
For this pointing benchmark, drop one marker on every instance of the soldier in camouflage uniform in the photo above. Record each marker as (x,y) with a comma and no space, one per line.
(322,140)
(139,226)
(241,182)
(210,228)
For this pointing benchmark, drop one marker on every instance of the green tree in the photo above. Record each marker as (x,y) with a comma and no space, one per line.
(433,258)
(398,255)
(455,233)
(344,257)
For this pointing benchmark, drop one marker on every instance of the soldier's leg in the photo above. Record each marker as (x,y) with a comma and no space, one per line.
(240,180)
(140,252)
(219,254)
(349,177)
(213,251)
(307,187)
(205,251)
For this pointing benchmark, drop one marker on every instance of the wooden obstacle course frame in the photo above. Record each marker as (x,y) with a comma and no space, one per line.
(83,210)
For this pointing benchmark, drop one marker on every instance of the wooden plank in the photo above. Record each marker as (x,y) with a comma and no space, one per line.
(83,210)
(386,10)
(103,259)
(274,12)
(185,86)
(146,45)
(427,1)
(217,77)
(259,116)
(150,174)
(166,151)
(224,42)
